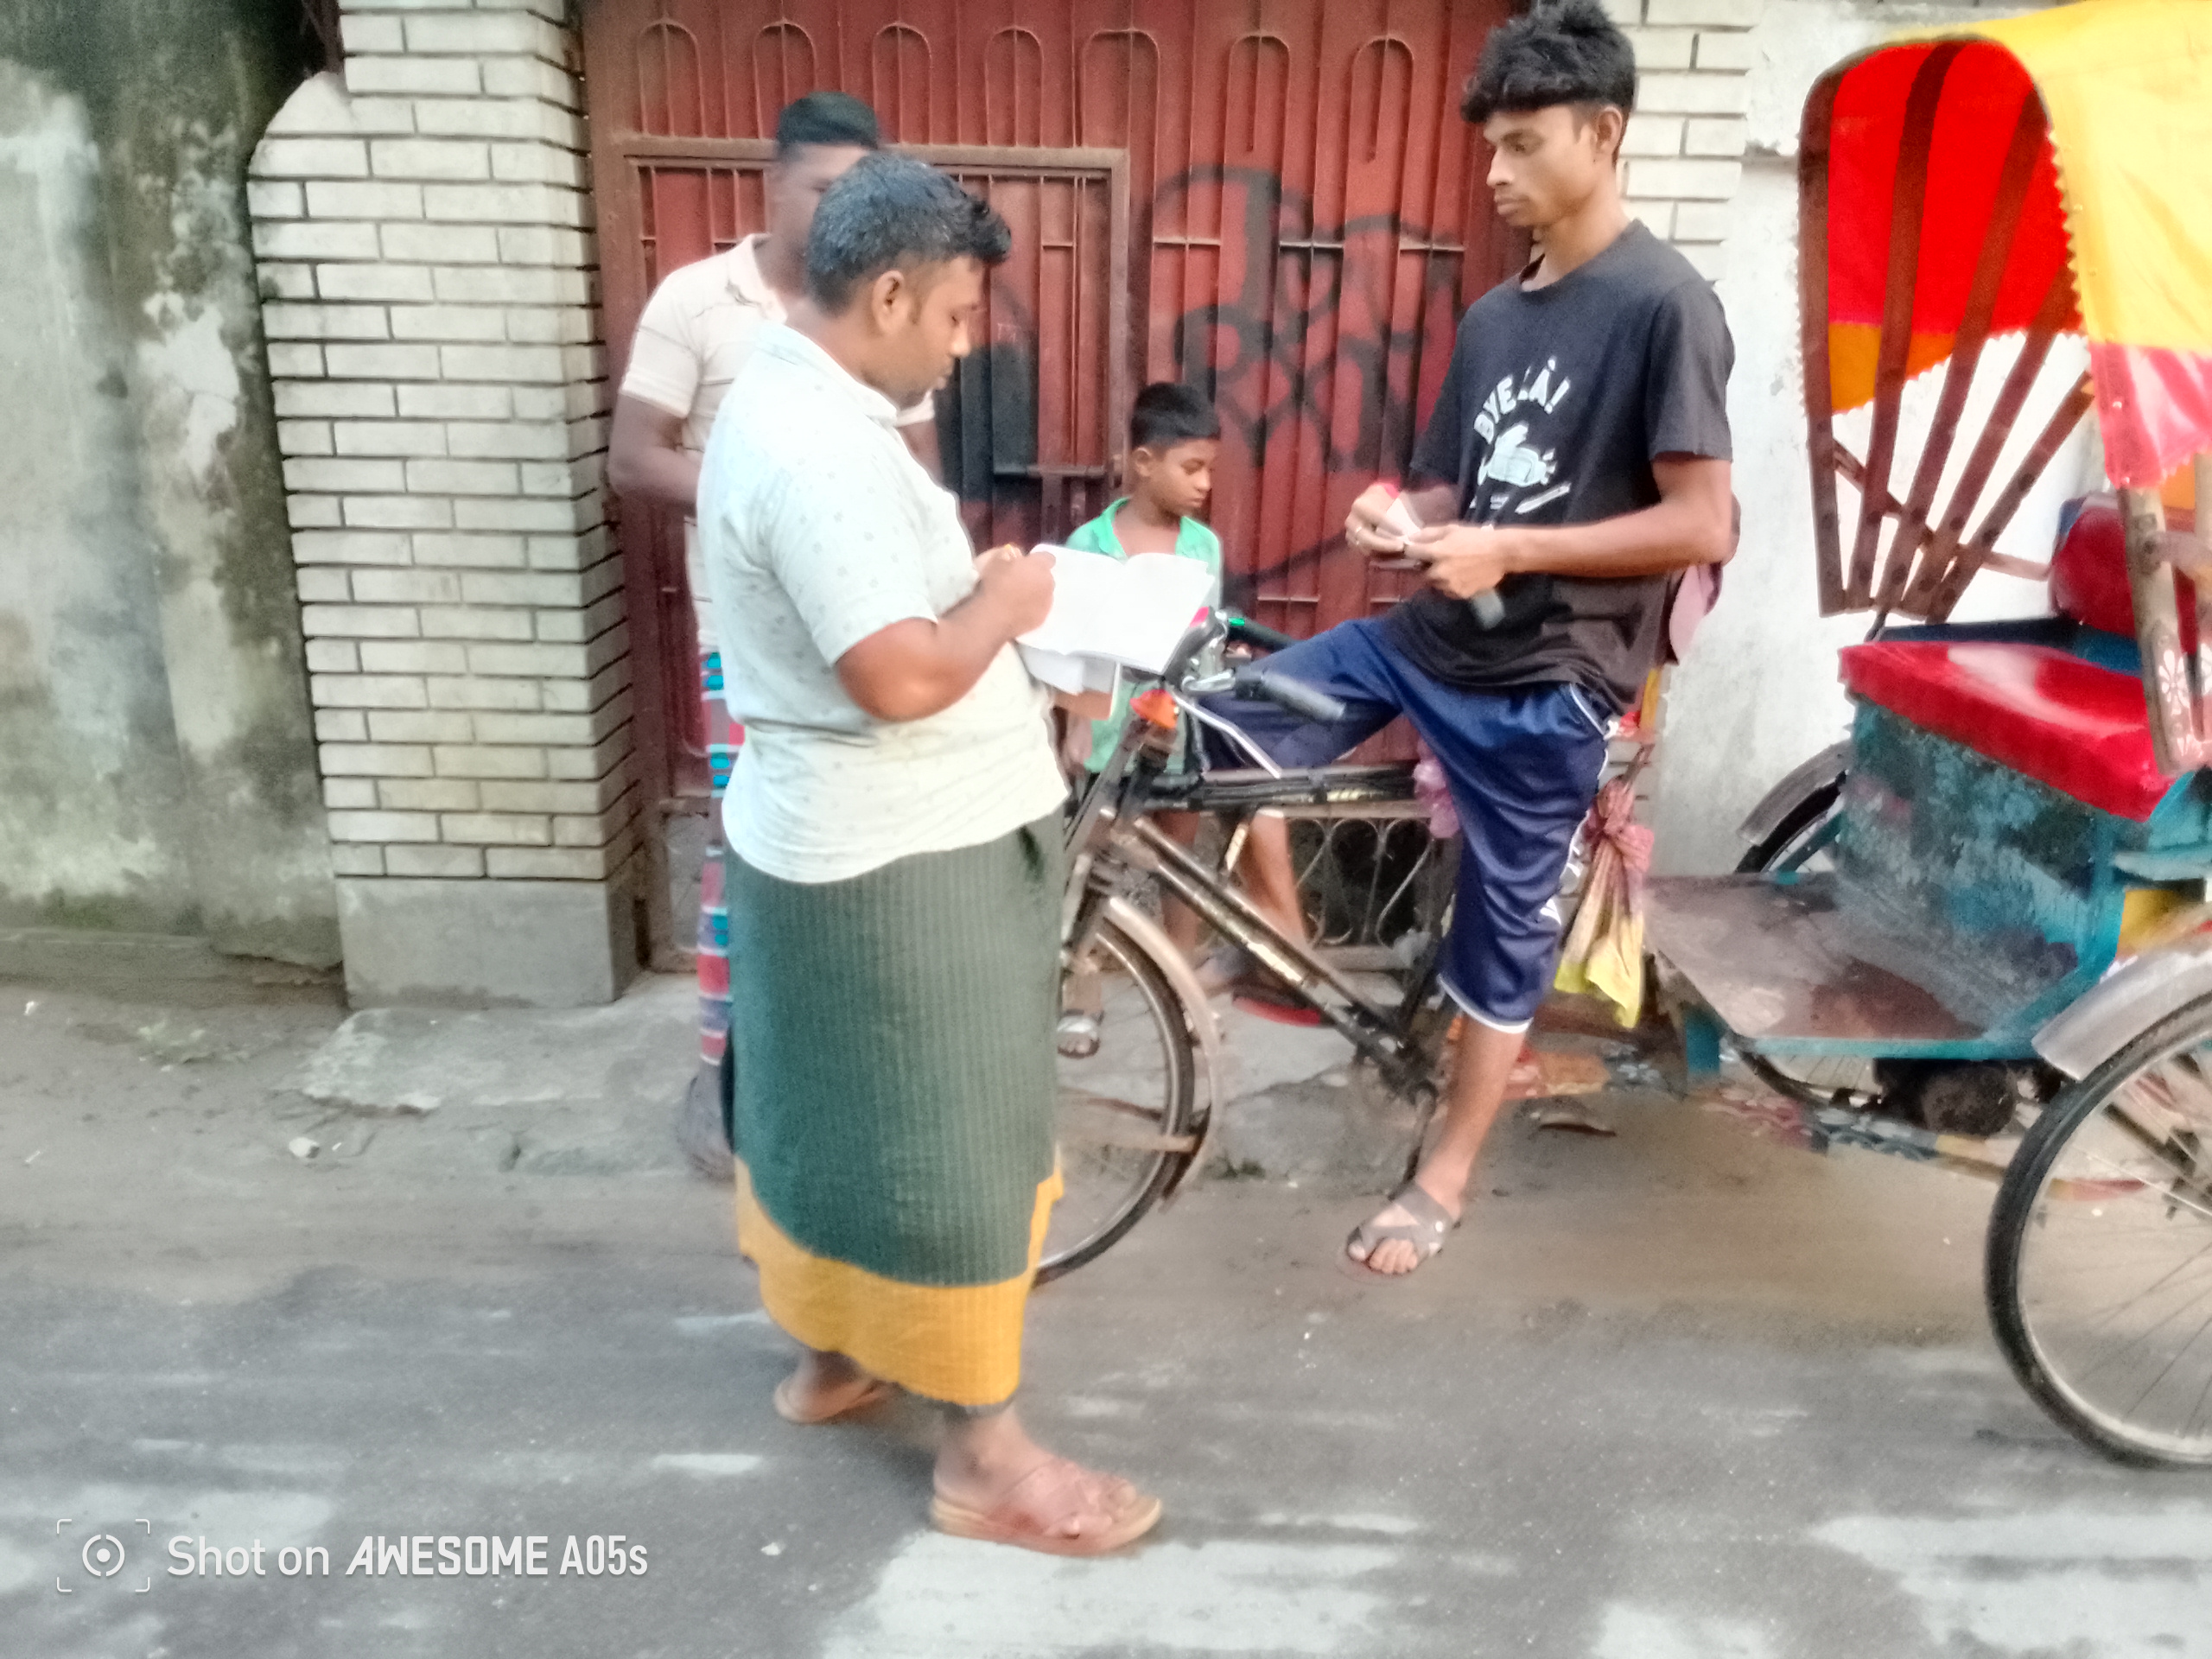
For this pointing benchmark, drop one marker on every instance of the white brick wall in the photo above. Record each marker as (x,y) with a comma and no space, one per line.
(1686,139)
(430,299)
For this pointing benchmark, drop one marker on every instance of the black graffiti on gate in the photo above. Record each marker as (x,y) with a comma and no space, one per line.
(1253,351)
(1250,351)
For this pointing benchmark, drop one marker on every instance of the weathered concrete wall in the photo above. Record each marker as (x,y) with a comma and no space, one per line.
(89,773)
(1760,693)
(157,749)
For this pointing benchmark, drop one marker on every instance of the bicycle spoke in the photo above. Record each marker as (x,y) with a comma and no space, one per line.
(2182,1277)
(2203,1395)
(2170,1196)
(2152,1289)
(2144,1336)
(2145,1259)
(2167,1369)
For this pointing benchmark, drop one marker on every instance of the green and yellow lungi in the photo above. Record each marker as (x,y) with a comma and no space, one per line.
(892,1042)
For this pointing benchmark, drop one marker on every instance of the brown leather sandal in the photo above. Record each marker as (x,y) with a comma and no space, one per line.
(874,1393)
(1059,1508)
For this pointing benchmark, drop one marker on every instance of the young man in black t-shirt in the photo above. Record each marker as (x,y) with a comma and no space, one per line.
(1577,461)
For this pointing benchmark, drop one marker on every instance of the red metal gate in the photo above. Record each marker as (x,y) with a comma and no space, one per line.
(1306,218)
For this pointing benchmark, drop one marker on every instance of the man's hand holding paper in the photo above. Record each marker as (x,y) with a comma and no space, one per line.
(1024,583)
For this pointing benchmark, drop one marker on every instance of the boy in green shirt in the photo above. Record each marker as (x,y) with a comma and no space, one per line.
(1174,438)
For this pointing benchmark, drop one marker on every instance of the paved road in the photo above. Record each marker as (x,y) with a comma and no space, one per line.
(1673,1393)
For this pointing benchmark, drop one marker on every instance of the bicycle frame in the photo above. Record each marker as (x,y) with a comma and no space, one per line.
(1112,830)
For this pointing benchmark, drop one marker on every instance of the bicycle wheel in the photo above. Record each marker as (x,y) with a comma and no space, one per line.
(1124,1120)
(2099,1272)
(1800,842)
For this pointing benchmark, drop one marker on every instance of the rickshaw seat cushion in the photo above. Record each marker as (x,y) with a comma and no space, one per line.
(2088,572)
(2045,713)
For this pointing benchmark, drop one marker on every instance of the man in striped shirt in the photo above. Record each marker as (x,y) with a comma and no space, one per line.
(696,332)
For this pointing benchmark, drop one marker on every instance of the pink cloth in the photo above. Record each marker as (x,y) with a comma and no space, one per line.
(1435,794)
(1612,824)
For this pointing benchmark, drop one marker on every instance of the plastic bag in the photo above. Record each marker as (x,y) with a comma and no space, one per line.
(1603,952)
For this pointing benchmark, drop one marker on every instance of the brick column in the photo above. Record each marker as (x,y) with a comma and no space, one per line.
(1685,144)
(428,271)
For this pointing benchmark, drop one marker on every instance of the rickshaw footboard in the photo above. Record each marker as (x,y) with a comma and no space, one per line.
(1786,963)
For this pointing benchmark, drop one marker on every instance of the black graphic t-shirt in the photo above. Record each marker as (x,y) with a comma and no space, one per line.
(1556,401)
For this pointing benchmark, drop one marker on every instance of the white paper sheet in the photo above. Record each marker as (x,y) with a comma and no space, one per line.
(1108,610)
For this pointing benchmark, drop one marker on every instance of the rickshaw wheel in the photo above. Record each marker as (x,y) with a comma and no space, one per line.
(1799,838)
(1799,845)
(2099,1270)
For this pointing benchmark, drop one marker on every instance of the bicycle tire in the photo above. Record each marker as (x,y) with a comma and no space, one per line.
(1805,819)
(2015,1213)
(1170,1024)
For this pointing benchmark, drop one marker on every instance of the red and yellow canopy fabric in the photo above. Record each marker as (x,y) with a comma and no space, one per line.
(2117,193)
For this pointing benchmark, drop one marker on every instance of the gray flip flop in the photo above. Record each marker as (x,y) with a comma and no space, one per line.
(1425,1232)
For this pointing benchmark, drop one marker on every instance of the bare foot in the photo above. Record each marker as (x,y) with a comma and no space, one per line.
(1393,1257)
(825,1387)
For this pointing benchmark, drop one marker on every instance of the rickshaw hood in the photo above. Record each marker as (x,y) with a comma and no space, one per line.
(2112,236)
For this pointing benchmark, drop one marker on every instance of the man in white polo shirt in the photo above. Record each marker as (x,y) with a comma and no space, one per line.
(695,333)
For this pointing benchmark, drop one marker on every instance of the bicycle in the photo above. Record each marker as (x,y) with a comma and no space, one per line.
(1139,1046)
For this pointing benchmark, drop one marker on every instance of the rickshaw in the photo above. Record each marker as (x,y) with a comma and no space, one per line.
(1977,931)
(1987,909)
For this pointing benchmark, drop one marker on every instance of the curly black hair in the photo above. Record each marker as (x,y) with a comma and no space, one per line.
(1559,51)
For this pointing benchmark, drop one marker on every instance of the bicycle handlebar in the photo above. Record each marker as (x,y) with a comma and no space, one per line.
(1254,683)
(1244,632)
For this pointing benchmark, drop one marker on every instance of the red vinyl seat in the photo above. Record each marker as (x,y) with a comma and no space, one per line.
(2045,713)
(2080,729)
(2088,573)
